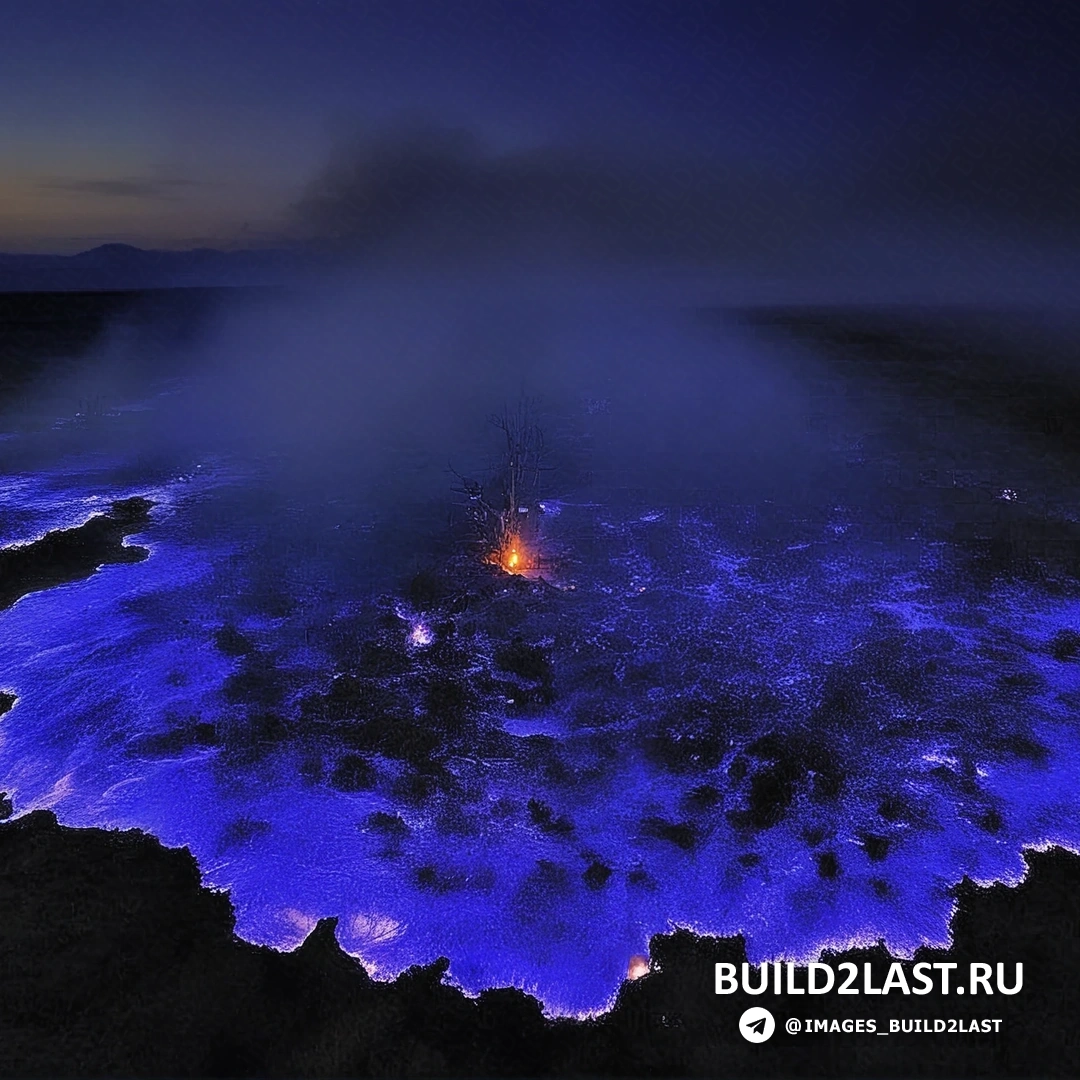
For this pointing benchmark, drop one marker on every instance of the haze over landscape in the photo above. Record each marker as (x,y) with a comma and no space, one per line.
(789,641)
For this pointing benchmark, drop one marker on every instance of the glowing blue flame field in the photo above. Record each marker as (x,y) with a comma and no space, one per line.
(104,666)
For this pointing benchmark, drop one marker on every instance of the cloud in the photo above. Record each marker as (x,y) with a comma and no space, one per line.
(429,191)
(426,192)
(156,187)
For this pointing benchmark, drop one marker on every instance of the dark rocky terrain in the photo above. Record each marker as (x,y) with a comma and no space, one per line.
(1007,379)
(117,963)
(67,555)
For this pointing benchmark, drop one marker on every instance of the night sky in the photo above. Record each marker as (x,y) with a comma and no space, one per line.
(667,129)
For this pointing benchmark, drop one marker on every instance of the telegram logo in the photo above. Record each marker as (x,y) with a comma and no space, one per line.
(757,1024)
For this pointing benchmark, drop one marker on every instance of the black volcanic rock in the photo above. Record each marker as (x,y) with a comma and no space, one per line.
(528,661)
(682,834)
(1065,645)
(231,642)
(67,555)
(117,962)
(541,815)
(876,847)
(353,773)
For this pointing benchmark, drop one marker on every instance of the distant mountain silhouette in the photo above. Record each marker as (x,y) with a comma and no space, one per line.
(111,254)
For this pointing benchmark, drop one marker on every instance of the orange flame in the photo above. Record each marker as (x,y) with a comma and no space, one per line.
(512,557)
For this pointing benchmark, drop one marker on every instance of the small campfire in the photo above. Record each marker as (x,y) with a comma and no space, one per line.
(513,556)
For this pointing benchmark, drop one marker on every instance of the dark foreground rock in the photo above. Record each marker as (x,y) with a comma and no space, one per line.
(67,555)
(116,962)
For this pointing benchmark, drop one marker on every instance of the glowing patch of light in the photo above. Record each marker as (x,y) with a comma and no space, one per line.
(373,929)
(421,634)
(62,789)
(300,925)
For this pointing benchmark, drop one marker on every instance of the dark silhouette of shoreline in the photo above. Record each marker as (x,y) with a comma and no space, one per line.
(117,962)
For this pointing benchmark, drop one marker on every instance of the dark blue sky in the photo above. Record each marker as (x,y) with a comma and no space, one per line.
(205,121)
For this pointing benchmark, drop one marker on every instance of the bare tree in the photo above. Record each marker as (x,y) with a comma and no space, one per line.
(503,514)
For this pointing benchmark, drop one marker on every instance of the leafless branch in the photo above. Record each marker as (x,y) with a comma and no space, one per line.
(499,519)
